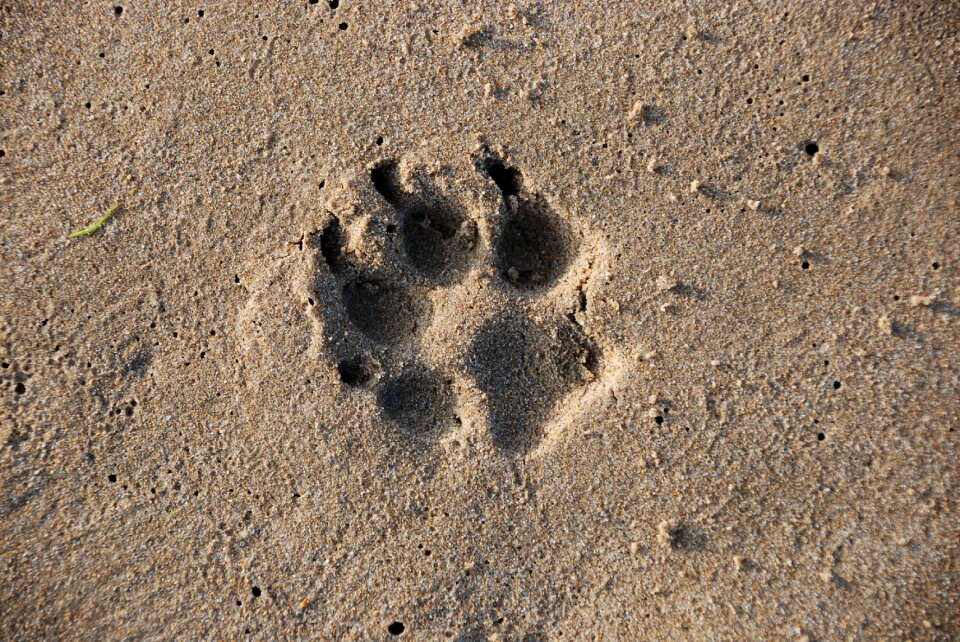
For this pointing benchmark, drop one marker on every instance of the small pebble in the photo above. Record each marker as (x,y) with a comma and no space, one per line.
(885,325)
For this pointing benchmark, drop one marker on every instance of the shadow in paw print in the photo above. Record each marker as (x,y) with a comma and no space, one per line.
(419,402)
(356,371)
(385,312)
(525,368)
(439,241)
(507,179)
(331,243)
(535,246)
(385,181)
(438,238)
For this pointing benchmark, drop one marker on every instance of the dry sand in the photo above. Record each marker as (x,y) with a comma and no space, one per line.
(545,321)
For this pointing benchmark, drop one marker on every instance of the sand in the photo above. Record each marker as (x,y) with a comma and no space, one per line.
(543,321)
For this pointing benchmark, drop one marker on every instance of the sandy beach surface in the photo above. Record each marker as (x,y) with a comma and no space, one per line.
(526,321)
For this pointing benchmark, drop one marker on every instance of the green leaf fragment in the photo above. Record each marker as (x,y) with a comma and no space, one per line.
(90,229)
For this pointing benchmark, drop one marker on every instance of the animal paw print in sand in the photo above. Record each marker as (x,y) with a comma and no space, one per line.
(457,302)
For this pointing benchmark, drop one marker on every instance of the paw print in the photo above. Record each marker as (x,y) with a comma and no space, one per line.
(457,302)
